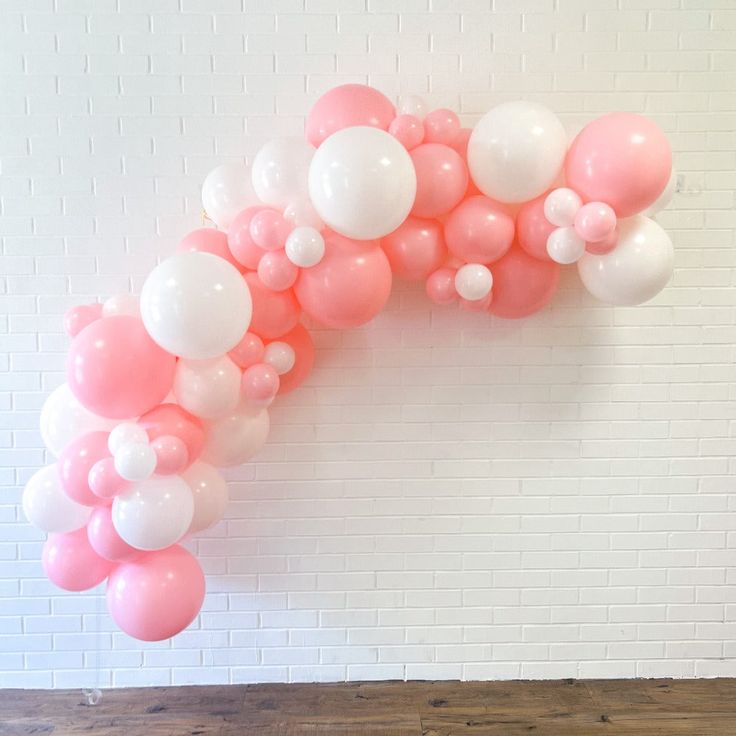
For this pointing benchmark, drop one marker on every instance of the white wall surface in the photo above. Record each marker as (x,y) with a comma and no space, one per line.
(451,495)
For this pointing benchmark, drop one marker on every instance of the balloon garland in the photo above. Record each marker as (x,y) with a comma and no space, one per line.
(162,391)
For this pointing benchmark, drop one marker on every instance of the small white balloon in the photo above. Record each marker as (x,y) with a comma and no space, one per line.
(565,246)
(207,388)
(561,205)
(48,508)
(209,489)
(237,437)
(665,198)
(280,356)
(301,212)
(135,461)
(227,190)
(280,169)
(126,433)
(473,281)
(305,247)
(412,105)
(121,304)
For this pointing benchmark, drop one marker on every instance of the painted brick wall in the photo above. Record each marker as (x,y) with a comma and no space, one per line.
(451,496)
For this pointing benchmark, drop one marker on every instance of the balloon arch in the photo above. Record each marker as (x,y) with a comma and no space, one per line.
(161,391)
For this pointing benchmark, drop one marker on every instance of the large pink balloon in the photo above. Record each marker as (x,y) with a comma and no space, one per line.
(116,370)
(621,159)
(415,249)
(533,228)
(349,286)
(76,461)
(479,230)
(170,420)
(274,312)
(303,346)
(346,106)
(156,596)
(105,541)
(208,240)
(442,178)
(71,563)
(522,284)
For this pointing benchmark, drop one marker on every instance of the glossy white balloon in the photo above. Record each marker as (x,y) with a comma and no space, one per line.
(280,356)
(237,437)
(280,170)
(561,205)
(207,388)
(126,433)
(473,281)
(565,246)
(226,191)
(665,198)
(48,508)
(305,247)
(209,490)
(135,461)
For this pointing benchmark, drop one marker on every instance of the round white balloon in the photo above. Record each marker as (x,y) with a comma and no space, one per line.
(226,191)
(196,305)
(280,356)
(362,182)
(561,205)
(207,388)
(516,151)
(47,507)
(565,246)
(665,198)
(237,437)
(305,247)
(636,270)
(209,489)
(280,171)
(135,461)
(154,513)
(124,434)
(473,281)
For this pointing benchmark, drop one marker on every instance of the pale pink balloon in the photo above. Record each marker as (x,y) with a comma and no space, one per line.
(269,229)
(415,249)
(157,595)
(595,221)
(346,106)
(104,481)
(302,344)
(105,541)
(274,312)
(77,318)
(170,420)
(260,384)
(622,159)
(408,130)
(533,228)
(604,246)
(71,563)
(442,179)
(171,454)
(242,247)
(276,271)
(75,463)
(479,230)
(248,351)
(208,240)
(116,370)
(441,126)
(349,286)
(440,286)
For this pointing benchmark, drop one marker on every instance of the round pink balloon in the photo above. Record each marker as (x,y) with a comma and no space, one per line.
(156,596)
(442,179)
(248,351)
(208,240)
(441,126)
(274,312)
(116,370)
(479,230)
(77,318)
(242,246)
(621,159)
(415,249)
(269,229)
(105,541)
(349,286)
(260,384)
(71,563)
(408,130)
(171,454)
(604,246)
(104,481)
(441,286)
(276,271)
(595,221)
(75,463)
(346,106)
(533,228)
(170,420)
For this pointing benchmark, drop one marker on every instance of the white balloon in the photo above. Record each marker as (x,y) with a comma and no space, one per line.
(305,246)
(412,105)
(135,461)
(516,151)
(209,489)
(196,305)
(237,437)
(561,205)
(121,304)
(124,434)
(362,182)
(473,281)
(636,270)
(47,507)
(207,388)
(565,246)
(665,198)
(280,355)
(301,212)
(154,513)
(64,419)
(280,171)
(226,191)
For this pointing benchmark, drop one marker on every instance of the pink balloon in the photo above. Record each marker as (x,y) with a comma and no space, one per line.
(346,106)
(442,179)
(441,126)
(621,159)
(171,420)
(208,240)
(604,246)
(77,318)
(156,596)
(75,463)
(116,370)
(522,284)
(441,286)
(460,142)
(260,384)
(171,454)
(303,346)
(70,562)
(105,541)
(595,221)
(104,481)
(248,351)
(533,228)
(408,130)
(349,286)
(415,249)
(276,271)
(479,230)
(269,229)
(242,247)
(274,312)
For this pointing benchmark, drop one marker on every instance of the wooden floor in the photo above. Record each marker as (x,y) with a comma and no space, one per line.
(559,708)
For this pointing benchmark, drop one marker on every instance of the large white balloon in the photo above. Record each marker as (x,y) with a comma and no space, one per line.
(362,182)
(516,151)
(237,437)
(63,419)
(154,513)
(210,495)
(207,388)
(47,507)
(196,305)
(226,191)
(636,270)
(280,170)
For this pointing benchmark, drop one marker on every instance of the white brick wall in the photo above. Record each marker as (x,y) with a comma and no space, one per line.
(451,496)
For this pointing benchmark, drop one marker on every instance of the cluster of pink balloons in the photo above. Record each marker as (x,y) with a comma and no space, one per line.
(164,389)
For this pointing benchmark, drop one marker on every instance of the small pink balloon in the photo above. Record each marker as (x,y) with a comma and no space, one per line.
(442,179)
(408,130)
(260,384)
(71,563)
(77,318)
(274,312)
(248,351)
(533,228)
(479,230)
(269,229)
(415,249)
(171,454)
(75,463)
(604,246)
(595,221)
(441,126)
(105,541)
(170,419)
(104,481)
(242,247)
(441,286)
(208,240)
(276,271)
